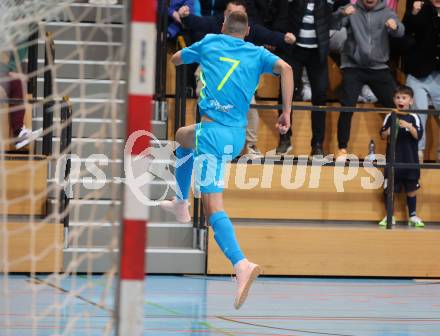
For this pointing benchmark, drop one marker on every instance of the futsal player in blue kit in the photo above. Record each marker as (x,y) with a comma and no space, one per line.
(231,69)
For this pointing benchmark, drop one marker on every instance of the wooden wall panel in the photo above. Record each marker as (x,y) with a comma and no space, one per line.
(284,250)
(31,247)
(25,182)
(316,197)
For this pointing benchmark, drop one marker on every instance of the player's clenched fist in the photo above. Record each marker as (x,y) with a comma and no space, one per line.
(417,6)
(348,10)
(184,11)
(289,38)
(391,24)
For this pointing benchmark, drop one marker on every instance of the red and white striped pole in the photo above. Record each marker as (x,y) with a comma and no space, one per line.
(141,64)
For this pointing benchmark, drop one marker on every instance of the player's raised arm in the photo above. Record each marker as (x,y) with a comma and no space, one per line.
(285,71)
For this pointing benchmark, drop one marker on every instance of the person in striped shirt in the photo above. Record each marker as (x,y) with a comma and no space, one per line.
(310,21)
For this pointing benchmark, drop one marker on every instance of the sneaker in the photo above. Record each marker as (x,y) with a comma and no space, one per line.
(415,221)
(179,208)
(26,136)
(384,222)
(421,155)
(307,92)
(252,151)
(306,88)
(317,150)
(246,272)
(367,96)
(341,155)
(284,145)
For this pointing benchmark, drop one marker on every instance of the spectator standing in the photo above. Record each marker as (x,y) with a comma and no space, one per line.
(422,61)
(310,21)
(409,130)
(364,60)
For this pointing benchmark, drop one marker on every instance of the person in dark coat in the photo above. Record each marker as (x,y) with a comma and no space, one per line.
(422,60)
(310,21)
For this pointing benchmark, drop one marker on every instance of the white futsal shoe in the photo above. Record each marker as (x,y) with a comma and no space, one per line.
(179,208)
(26,136)
(246,272)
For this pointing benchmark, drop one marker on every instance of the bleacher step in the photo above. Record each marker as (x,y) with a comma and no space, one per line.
(159,235)
(157,260)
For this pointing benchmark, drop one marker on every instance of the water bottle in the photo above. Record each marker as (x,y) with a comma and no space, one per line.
(371,150)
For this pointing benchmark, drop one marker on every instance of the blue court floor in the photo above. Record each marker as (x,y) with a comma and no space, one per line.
(199,305)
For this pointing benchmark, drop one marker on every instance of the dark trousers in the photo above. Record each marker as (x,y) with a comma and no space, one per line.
(317,71)
(381,83)
(14,90)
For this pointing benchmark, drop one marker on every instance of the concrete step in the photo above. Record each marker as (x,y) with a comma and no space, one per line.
(87,168)
(84,31)
(98,108)
(103,211)
(85,88)
(91,187)
(85,147)
(91,127)
(85,12)
(94,210)
(100,167)
(157,260)
(85,50)
(85,69)
(112,148)
(160,235)
(103,128)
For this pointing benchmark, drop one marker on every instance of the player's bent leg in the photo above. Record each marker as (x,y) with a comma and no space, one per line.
(179,206)
(246,272)
(185,136)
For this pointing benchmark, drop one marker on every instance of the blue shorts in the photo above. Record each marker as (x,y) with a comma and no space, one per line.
(215,145)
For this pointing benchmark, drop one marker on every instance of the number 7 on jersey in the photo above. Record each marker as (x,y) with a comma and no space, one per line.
(235,64)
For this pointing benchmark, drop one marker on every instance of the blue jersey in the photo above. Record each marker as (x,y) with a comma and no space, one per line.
(231,70)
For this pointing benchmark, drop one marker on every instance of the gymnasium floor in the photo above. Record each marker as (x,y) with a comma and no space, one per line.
(199,305)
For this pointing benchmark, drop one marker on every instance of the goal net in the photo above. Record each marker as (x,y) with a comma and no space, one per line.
(63,84)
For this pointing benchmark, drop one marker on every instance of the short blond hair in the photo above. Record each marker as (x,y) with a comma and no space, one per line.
(236,23)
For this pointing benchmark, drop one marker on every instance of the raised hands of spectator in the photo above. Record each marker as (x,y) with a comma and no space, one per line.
(289,38)
(348,10)
(184,11)
(391,24)
(176,17)
(417,6)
